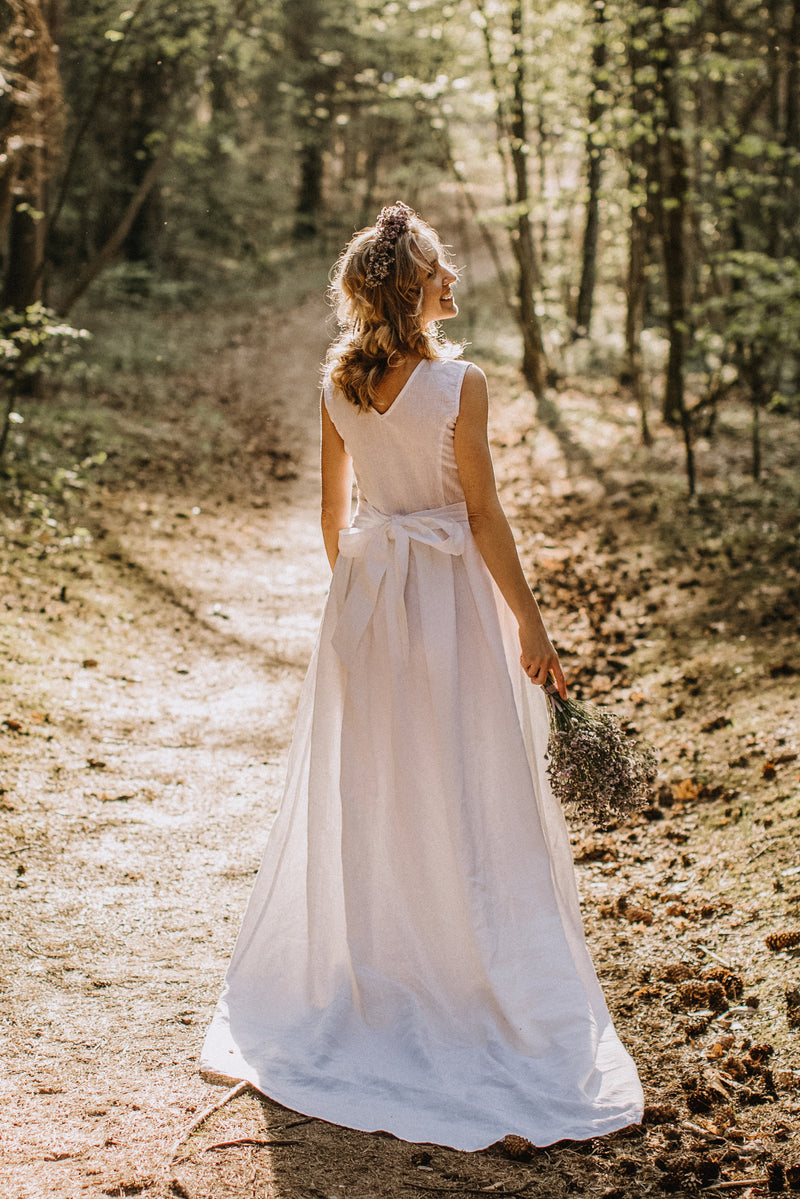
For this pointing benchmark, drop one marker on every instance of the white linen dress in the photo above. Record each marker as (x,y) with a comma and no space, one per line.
(412,957)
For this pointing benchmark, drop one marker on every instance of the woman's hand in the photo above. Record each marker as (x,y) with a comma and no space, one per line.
(539,657)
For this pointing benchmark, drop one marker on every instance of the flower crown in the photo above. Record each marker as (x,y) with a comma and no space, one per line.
(392,221)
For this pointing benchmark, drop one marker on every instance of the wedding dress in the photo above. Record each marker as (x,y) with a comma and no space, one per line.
(412,957)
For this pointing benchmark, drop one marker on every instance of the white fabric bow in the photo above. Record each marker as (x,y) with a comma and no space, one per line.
(382,543)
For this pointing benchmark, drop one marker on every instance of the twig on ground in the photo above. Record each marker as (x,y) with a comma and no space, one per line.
(710,953)
(204,1115)
(763,849)
(737,1182)
(245,1141)
(419,1186)
(704,1132)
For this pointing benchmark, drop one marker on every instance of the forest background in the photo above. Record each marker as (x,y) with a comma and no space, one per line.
(619,182)
(645,155)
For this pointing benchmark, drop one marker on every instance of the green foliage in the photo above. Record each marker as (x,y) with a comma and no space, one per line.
(756,324)
(35,342)
(291,118)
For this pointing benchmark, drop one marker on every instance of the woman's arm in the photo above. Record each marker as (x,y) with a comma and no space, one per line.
(492,534)
(337,486)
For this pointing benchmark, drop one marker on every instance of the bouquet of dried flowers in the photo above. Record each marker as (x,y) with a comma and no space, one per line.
(592,764)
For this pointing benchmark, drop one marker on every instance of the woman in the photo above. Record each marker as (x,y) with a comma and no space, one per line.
(412,958)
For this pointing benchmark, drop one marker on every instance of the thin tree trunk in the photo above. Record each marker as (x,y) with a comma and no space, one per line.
(483,229)
(670,204)
(755,437)
(309,193)
(669,184)
(501,119)
(534,360)
(35,123)
(594,172)
(23,282)
(512,148)
(634,317)
(541,162)
(638,239)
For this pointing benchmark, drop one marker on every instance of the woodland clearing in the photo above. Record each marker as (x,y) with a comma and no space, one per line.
(159,604)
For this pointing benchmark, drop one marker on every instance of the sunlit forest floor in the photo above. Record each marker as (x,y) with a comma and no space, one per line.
(163,579)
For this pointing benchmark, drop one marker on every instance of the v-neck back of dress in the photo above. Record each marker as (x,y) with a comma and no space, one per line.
(381,412)
(403,458)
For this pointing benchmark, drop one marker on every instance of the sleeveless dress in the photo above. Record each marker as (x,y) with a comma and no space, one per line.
(412,958)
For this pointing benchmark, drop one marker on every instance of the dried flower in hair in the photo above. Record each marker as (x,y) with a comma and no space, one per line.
(592,765)
(392,221)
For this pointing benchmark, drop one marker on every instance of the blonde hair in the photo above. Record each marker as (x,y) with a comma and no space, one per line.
(380,319)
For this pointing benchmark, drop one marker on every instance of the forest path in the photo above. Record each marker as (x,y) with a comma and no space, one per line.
(149,693)
(156,716)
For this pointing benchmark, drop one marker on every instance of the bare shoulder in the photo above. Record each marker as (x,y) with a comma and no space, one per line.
(474,401)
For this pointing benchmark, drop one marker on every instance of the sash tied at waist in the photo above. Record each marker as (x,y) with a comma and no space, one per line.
(379,544)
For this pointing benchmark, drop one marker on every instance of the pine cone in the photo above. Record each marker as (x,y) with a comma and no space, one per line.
(703,1168)
(649,992)
(793,1177)
(637,915)
(793,1017)
(777,1177)
(700,1099)
(660,1113)
(787,939)
(518,1147)
(717,999)
(761,1052)
(676,972)
(693,994)
(696,1027)
(733,983)
(734,1067)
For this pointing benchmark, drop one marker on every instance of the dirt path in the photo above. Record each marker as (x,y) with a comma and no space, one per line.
(155,709)
(148,695)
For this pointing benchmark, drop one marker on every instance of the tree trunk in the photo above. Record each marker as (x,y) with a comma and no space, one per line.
(638,238)
(534,360)
(305,38)
(32,126)
(23,282)
(594,172)
(512,149)
(309,193)
(670,207)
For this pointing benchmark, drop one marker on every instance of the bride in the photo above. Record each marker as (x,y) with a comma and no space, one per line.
(412,957)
